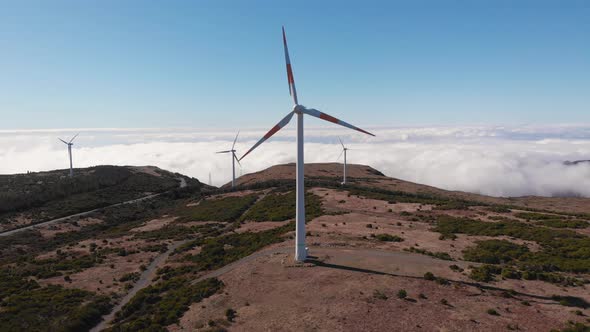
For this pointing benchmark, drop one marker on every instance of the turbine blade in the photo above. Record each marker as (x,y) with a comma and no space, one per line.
(236,158)
(324,116)
(62,140)
(341,143)
(74,137)
(271,132)
(341,152)
(226,151)
(235,139)
(290,78)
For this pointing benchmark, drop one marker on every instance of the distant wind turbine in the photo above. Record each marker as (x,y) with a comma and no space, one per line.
(344,149)
(233,160)
(69,144)
(300,110)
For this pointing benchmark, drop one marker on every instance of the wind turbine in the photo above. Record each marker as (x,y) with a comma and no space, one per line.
(344,149)
(300,110)
(233,161)
(69,144)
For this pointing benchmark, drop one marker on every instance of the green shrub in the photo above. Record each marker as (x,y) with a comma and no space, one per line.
(388,238)
(221,209)
(133,276)
(484,273)
(455,268)
(402,294)
(440,255)
(281,207)
(230,314)
(494,252)
(163,303)
(508,273)
(574,327)
(26,306)
(492,312)
(562,223)
(562,250)
(535,216)
(499,209)
(429,276)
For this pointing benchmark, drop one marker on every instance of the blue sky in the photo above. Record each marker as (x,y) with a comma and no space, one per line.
(219,64)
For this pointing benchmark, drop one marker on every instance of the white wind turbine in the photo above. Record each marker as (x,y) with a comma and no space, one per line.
(69,144)
(344,149)
(300,110)
(233,161)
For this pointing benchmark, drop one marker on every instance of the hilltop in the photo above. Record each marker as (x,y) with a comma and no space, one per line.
(31,198)
(385,254)
(362,175)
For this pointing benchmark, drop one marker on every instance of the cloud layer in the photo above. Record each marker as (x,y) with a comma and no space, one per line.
(498,161)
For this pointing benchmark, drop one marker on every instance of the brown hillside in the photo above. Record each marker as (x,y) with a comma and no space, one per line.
(367,176)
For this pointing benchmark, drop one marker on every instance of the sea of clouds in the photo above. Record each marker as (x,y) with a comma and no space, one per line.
(498,161)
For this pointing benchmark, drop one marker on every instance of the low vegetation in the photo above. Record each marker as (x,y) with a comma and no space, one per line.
(281,207)
(388,238)
(25,305)
(495,252)
(562,250)
(162,304)
(405,197)
(440,254)
(45,196)
(224,209)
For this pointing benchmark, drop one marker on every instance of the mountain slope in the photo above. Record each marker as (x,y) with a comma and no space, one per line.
(385,254)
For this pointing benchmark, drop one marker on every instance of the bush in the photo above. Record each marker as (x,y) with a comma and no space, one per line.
(230,314)
(388,238)
(574,327)
(455,268)
(429,276)
(222,209)
(133,276)
(494,252)
(281,207)
(484,273)
(492,312)
(163,303)
(26,306)
(402,294)
(563,250)
(508,273)
(440,255)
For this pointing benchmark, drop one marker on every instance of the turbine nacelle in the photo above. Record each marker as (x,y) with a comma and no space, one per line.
(234,158)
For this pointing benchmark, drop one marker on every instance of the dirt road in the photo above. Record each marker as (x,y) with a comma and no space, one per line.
(144,281)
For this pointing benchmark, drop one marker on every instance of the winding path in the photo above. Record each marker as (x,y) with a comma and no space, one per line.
(144,280)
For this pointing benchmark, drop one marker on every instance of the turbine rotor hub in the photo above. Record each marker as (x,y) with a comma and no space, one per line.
(298,109)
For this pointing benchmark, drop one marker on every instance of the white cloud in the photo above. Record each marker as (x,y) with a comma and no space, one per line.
(499,161)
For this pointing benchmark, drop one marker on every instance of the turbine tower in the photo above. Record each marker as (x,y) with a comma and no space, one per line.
(233,161)
(69,144)
(344,149)
(300,110)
